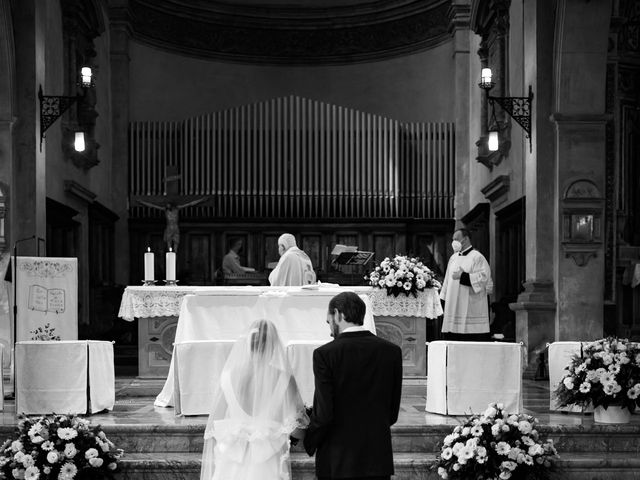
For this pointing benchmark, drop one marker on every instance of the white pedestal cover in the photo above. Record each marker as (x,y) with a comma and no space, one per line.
(464,377)
(560,354)
(58,376)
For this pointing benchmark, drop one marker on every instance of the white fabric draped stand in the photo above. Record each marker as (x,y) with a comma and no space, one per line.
(464,377)
(560,354)
(59,377)
(218,314)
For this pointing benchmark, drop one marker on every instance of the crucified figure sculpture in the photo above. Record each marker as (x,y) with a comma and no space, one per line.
(172,230)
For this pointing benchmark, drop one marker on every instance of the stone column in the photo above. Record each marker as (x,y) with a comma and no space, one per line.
(579,115)
(535,308)
(28,183)
(459,16)
(120,30)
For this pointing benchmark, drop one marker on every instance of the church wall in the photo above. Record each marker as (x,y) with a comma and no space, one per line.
(411,88)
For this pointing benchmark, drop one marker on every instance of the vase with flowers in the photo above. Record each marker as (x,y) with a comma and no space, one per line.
(402,274)
(496,445)
(605,375)
(61,447)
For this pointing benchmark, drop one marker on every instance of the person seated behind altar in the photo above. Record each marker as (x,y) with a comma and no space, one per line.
(294,267)
(231,261)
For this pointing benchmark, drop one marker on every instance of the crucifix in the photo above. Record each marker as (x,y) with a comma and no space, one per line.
(172,202)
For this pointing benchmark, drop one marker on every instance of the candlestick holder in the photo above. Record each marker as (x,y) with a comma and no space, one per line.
(171,283)
(148,283)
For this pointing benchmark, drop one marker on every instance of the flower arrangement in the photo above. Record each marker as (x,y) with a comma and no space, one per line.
(607,373)
(496,445)
(402,274)
(44,333)
(58,447)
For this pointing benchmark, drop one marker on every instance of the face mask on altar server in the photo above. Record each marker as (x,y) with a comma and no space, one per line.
(456,245)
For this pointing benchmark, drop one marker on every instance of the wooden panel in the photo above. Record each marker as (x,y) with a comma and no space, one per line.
(311,246)
(193,265)
(383,246)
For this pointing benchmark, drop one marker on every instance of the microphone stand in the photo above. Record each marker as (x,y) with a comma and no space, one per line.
(15,304)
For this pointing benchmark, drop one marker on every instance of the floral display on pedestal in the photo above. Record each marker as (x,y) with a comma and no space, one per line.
(62,447)
(496,445)
(402,274)
(605,374)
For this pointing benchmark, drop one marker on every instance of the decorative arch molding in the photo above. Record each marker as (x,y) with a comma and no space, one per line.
(291,34)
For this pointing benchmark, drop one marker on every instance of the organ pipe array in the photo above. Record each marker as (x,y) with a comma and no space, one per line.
(293,157)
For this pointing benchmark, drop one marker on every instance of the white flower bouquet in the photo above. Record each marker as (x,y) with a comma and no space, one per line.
(496,445)
(58,447)
(606,373)
(402,274)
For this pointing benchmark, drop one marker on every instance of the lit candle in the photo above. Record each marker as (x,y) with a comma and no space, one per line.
(171,264)
(485,75)
(148,265)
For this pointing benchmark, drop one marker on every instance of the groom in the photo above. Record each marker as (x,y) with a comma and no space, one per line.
(358,381)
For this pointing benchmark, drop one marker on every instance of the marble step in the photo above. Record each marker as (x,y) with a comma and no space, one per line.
(408,466)
(406,438)
(186,466)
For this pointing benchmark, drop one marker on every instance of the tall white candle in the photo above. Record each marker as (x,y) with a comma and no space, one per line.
(171,264)
(148,265)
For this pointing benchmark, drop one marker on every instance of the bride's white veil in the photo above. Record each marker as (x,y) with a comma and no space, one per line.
(256,389)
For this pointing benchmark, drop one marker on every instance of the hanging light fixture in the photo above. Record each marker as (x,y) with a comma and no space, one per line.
(518,108)
(86,76)
(53,106)
(78,143)
(493,142)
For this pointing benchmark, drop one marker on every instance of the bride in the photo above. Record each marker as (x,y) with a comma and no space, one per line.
(255,409)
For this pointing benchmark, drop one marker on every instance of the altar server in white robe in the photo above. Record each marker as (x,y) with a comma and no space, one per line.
(294,267)
(466,284)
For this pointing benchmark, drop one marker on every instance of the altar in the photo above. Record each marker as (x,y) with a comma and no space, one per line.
(400,319)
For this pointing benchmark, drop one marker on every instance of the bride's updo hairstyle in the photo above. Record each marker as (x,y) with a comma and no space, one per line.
(350,305)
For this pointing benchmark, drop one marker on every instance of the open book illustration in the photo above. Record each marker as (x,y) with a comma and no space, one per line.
(45,299)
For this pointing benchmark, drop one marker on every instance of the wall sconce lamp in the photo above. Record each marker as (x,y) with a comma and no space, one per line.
(78,143)
(53,106)
(518,108)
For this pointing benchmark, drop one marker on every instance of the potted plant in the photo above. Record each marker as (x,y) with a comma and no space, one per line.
(605,375)
(61,447)
(402,274)
(496,445)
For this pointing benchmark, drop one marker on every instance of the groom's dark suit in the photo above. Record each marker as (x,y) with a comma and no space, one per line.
(358,381)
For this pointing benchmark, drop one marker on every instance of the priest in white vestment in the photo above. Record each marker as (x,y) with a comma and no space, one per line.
(466,284)
(294,267)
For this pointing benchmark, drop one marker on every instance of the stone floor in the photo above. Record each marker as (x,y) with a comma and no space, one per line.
(134,405)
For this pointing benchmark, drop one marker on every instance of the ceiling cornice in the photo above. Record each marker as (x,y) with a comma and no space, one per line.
(284,35)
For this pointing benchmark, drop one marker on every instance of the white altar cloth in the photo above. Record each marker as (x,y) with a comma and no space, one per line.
(560,354)
(149,302)
(425,304)
(59,376)
(194,393)
(464,377)
(300,356)
(225,313)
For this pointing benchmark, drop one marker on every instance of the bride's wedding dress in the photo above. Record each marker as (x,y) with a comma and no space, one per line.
(256,407)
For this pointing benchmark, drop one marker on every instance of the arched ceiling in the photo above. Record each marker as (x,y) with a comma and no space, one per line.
(291,31)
